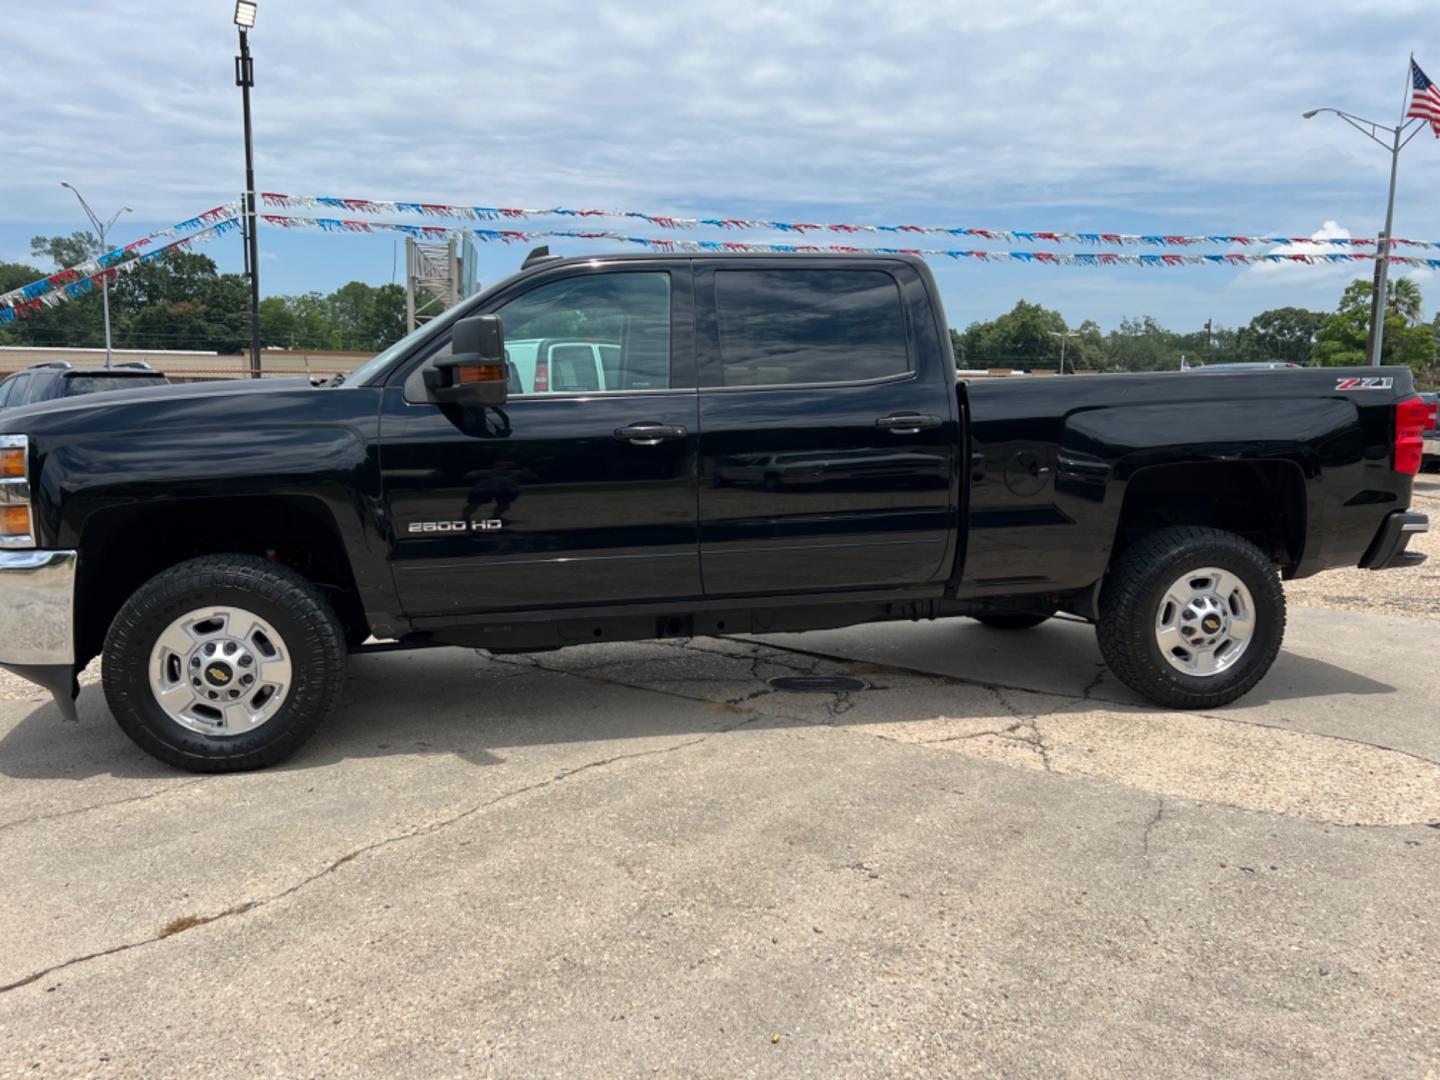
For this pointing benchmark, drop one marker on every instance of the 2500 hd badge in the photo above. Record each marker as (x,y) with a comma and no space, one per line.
(485,525)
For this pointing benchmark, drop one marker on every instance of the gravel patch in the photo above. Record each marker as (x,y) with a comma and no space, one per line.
(1413,592)
(14,688)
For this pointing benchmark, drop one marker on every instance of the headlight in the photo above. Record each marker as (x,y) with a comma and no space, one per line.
(17,529)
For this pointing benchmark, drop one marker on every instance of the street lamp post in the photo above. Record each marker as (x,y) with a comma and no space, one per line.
(101,230)
(1398,140)
(1063,338)
(245,79)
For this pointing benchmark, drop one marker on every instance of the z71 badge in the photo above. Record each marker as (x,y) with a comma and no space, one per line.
(1368,382)
(484,525)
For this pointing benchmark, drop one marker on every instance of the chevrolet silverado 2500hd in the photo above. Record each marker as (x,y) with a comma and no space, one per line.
(769,444)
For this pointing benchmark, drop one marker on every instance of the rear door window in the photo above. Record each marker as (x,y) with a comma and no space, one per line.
(786,327)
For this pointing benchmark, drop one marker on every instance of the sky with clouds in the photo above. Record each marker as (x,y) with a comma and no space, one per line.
(1181,117)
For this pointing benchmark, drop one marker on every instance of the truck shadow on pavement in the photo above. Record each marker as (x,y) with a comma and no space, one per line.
(474,707)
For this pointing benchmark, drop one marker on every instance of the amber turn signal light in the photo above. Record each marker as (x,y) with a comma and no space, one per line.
(473,373)
(12,463)
(14,521)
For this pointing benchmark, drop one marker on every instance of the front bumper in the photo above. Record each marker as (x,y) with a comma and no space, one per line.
(37,621)
(1387,551)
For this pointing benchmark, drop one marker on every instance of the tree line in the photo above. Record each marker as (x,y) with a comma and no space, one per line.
(181,301)
(1030,336)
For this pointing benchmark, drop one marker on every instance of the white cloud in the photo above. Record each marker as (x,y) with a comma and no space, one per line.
(1290,271)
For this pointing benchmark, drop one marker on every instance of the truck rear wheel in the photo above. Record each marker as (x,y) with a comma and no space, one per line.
(223,663)
(1191,618)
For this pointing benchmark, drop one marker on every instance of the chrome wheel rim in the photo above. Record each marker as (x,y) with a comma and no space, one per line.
(220,671)
(1205,622)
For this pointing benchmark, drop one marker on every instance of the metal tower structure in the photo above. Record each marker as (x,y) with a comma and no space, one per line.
(437,277)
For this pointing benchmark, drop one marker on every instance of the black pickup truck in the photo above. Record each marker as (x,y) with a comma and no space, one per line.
(697,445)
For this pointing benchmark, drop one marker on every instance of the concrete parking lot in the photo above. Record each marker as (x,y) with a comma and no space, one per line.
(629,859)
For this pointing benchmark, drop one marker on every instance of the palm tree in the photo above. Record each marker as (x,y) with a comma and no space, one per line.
(1403,298)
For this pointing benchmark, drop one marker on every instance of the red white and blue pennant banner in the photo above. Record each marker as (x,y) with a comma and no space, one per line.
(76,284)
(665,221)
(666,243)
(110,260)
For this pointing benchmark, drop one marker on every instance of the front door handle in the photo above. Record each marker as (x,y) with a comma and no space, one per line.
(650,433)
(907,423)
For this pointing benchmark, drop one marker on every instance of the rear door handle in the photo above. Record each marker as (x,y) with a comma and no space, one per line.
(650,433)
(907,423)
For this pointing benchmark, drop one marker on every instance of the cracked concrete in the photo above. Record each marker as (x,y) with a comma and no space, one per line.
(639,857)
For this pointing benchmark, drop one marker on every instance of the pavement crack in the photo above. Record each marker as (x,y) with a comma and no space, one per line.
(1001,733)
(999,688)
(1150,828)
(1093,684)
(183,923)
(102,806)
(1025,722)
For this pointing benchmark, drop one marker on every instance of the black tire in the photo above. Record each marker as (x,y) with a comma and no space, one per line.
(292,605)
(1130,605)
(1012,620)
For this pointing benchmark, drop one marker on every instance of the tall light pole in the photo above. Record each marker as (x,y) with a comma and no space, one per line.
(245,79)
(1398,140)
(101,230)
(1063,338)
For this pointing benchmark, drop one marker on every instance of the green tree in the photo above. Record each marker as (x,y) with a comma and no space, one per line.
(1402,296)
(1341,340)
(1343,337)
(1142,344)
(1286,334)
(1022,337)
(65,251)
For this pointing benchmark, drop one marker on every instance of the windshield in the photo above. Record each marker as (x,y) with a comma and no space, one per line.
(372,370)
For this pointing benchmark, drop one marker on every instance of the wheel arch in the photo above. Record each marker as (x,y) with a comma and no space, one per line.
(122,547)
(1265,501)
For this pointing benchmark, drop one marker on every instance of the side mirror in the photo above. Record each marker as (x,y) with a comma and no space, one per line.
(476,372)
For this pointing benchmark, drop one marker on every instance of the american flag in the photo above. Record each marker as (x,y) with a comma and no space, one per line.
(1425,101)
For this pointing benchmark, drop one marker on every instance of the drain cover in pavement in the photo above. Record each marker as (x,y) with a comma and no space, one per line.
(818,684)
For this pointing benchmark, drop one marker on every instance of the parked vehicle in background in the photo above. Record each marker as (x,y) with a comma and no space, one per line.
(556,366)
(743,444)
(1430,462)
(60,379)
(1255,365)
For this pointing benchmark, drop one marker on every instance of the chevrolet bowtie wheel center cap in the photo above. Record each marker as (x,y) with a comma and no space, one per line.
(220,671)
(1205,621)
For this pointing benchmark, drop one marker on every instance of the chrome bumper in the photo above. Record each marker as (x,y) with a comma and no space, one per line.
(37,608)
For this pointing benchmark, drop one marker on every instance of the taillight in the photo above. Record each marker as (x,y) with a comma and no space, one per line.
(1412,417)
(542,375)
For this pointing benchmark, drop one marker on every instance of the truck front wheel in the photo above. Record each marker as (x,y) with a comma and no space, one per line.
(1191,618)
(223,663)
